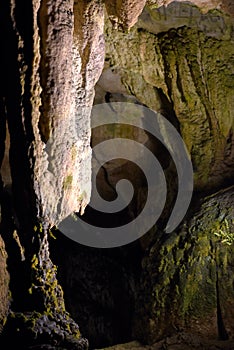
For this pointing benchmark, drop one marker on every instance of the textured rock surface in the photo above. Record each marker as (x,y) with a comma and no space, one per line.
(182,341)
(4,285)
(53,54)
(187,73)
(205,5)
(175,60)
(183,281)
(61,99)
(5,170)
(124,13)
(181,66)
(52,57)
(187,280)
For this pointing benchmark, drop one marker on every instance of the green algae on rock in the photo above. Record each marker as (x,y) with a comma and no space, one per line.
(189,276)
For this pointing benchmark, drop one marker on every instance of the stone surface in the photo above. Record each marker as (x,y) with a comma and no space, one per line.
(182,80)
(98,288)
(4,286)
(187,280)
(182,341)
(183,69)
(205,5)
(52,57)
(178,64)
(150,290)
(70,62)
(5,170)
(124,13)
(50,138)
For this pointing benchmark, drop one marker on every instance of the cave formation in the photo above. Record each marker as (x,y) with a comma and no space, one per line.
(58,59)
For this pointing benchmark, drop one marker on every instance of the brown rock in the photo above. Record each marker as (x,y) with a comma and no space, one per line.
(124,12)
(4,285)
(205,5)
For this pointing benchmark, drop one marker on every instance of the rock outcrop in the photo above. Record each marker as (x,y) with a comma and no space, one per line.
(166,62)
(178,60)
(53,55)
(4,286)
(192,268)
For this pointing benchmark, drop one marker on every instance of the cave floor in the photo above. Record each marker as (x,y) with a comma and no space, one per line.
(182,341)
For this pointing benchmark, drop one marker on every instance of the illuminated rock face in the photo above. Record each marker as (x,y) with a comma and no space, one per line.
(182,68)
(52,56)
(53,53)
(53,98)
(165,61)
(59,62)
(4,285)
(204,5)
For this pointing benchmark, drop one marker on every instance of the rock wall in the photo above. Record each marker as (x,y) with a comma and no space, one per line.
(47,88)
(188,278)
(183,64)
(4,286)
(177,60)
(52,56)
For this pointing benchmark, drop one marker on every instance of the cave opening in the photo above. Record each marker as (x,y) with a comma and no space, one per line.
(101,286)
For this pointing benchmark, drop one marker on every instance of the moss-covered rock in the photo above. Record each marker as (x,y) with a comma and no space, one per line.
(188,275)
(50,324)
